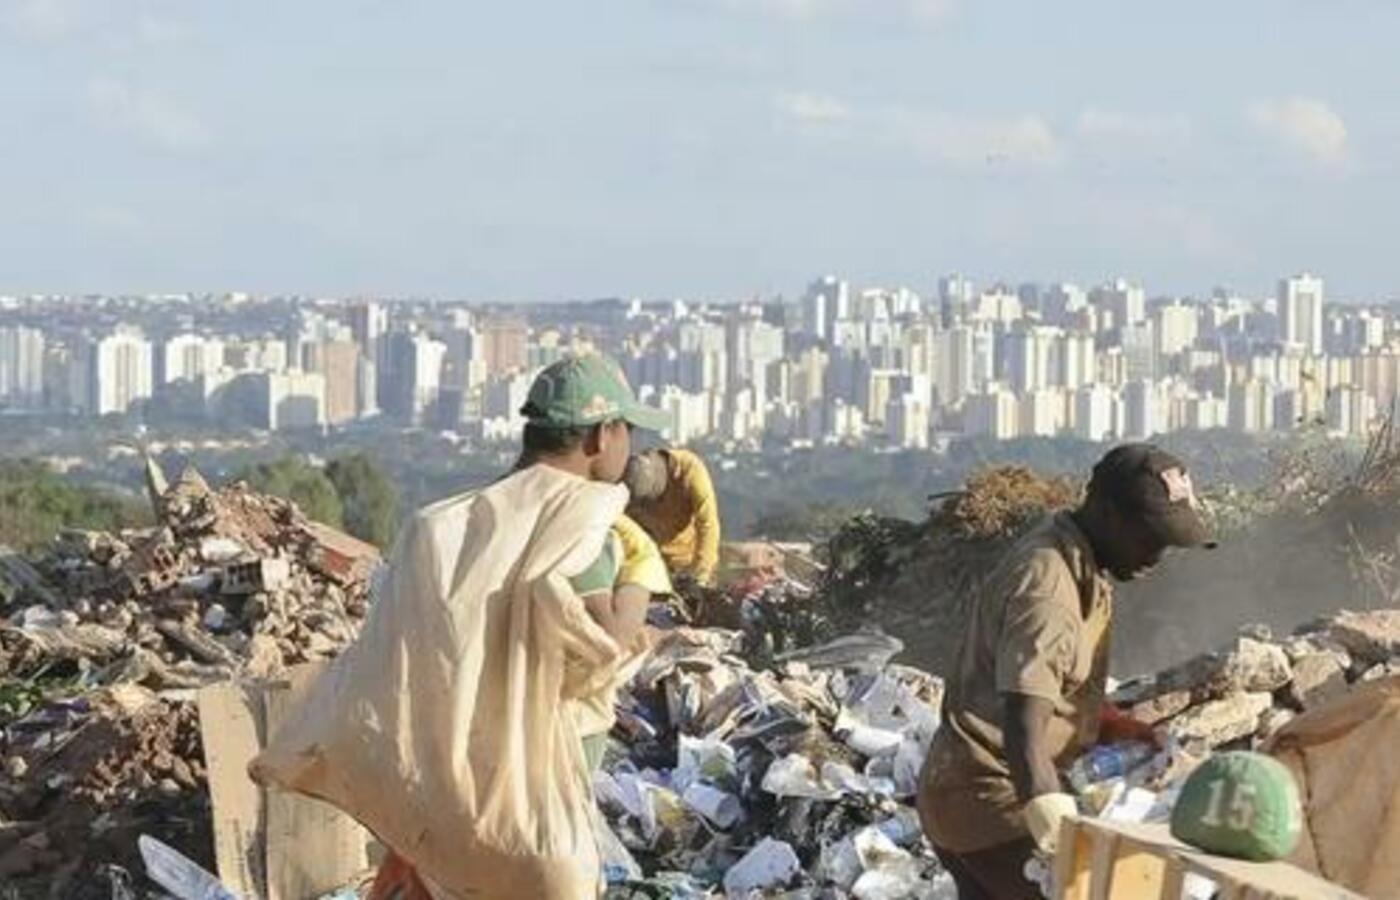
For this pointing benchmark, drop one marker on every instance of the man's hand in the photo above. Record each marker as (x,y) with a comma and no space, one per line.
(1044,816)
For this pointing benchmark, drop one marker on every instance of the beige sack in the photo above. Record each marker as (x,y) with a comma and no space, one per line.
(447,727)
(1343,755)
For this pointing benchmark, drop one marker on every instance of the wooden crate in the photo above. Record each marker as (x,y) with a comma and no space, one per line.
(1101,860)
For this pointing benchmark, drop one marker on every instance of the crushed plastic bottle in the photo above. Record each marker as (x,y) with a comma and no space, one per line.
(181,876)
(1108,761)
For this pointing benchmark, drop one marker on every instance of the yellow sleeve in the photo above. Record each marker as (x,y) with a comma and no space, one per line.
(704,513)
(642,564)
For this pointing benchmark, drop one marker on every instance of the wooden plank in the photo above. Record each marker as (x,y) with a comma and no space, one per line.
(1174,880)
(1277,878)
(1073,862)
(312,847)
(229,726)
(1138,871)
(1105,845)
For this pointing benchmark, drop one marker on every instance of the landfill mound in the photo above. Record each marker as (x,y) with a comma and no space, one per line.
(1314,538)
(769,741)
(914,579)
(102,642)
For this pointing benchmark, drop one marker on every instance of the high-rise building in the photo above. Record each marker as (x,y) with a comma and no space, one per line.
(1077,361)
(505,345)
(1300,312)
(1206,411)
(188,356)
(116,372)
(1094,415)
(1350,411)
(1252,405)
(992,412)
(998,305)
(908,421)
(1143,412)
(1043,413)
(1139,351)
(415,375)
(955,296)
(1120,303)
(691,412)
(340,363)
(828,299)
(1061,304)
(274,401)
(1175,327)
(21,367)
(1032,357)
(369,322)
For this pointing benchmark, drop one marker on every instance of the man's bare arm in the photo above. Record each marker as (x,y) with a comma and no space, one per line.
(620,613)
(1025,719)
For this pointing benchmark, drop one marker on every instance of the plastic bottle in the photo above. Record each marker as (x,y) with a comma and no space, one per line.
(181,876)
(1108,761)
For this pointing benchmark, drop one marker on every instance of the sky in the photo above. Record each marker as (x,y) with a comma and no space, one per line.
(708,149)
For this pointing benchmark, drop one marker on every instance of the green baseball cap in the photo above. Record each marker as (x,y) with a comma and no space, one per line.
(579,391)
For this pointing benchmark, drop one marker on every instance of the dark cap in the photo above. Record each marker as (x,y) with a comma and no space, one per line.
(1146,481)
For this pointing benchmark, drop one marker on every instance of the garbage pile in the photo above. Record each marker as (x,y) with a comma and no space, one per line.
(104,638)
(725,779)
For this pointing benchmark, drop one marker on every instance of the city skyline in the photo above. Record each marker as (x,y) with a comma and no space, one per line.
(703,148)
(843,363)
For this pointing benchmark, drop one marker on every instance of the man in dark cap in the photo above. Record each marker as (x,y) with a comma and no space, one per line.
(1026,694)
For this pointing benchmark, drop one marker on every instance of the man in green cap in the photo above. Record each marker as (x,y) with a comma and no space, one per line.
(578,418)
(454,727)
(1026,694)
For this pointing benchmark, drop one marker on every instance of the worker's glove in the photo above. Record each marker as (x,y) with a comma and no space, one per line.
(1043,817)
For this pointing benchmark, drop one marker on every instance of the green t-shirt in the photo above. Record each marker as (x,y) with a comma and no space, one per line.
(601,574)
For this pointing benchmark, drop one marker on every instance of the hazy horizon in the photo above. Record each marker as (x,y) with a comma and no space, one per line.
(704,149)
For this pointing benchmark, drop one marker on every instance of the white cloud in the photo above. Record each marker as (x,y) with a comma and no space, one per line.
(1307,125)
(104,25)
(145,114)
(812,108)
(923,12)
(1112,127)
(1025,141)
(44,20)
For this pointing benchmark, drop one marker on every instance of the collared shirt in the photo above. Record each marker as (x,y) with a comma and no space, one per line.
(684,520)
(1038,626)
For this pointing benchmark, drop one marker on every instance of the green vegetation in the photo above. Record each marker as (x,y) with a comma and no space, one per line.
(36,502)
(305,485)
(370,501)
(351,492)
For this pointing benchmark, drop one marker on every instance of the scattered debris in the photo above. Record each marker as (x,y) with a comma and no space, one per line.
(102,640)
(769,741)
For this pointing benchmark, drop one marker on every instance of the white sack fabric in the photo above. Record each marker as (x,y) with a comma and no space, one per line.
(447,727)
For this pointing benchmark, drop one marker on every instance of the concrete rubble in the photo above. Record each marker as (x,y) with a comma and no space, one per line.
(103,639)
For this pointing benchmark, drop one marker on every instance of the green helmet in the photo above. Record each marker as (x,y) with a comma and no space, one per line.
(1240,804)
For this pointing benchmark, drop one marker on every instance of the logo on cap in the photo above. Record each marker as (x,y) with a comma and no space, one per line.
(598,406)
(1178,484)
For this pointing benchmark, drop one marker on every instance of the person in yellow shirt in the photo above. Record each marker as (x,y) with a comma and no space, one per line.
(673,498)
(617,589)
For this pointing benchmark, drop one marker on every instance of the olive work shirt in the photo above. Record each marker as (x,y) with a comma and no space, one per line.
(1039,626)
